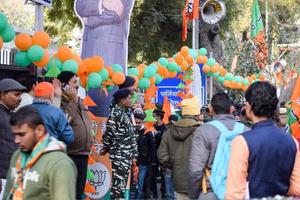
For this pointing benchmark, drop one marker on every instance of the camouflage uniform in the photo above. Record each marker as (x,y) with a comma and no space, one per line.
(119,138)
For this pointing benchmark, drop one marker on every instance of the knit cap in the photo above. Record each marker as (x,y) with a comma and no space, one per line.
(191,106)
(43,89)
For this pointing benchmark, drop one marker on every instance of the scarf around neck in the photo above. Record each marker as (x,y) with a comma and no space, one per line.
(26,161)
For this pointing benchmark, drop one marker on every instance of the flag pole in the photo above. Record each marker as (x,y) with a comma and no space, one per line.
(267,21)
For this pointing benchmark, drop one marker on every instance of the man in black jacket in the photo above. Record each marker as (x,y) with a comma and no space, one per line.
(10,98)
(147,152)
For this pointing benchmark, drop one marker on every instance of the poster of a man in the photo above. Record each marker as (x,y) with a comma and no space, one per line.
(105,33)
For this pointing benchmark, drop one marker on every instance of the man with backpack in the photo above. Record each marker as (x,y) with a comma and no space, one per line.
(210,150)
(265,161)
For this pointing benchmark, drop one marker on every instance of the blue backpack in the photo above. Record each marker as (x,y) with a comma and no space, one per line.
(221,160)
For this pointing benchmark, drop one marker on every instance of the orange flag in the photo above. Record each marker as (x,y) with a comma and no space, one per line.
(87,101)
(295,98)
(167,110)
(190,12)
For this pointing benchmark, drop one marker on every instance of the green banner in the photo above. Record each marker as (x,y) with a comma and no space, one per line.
(256,20)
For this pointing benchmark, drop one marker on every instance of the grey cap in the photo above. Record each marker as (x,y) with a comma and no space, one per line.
(9,84)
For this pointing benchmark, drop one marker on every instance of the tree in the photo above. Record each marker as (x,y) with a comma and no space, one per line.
(23,19)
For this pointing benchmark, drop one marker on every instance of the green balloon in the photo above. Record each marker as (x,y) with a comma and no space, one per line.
(178,69)
(163,61)
(110,88)
(237,79)
(94,80)
(158,79)
(172,67)
(22,59)
(216,75)
(210,74)
(211,62)
(149,72)
(133,72)
(3,22)
(144,83)
(117,68)
(104,74)
(202,52)
(54,62)
(154,66)
(229,76)
(221,79)
(8,34)
(35,53)
(70,65)
(193,53)
(245,81)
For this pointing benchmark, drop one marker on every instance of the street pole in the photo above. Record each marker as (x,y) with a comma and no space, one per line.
(211,83)
(39,26)
(39,17)
(267,21)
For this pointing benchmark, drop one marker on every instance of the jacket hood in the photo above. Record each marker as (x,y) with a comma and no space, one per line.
(55,145)
(185,127)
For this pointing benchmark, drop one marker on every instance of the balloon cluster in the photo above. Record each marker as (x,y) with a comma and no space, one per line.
(7,32)
(227,79)
(32,49)
(94,74)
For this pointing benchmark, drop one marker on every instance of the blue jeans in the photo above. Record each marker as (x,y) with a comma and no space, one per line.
(142,174)
(170,192)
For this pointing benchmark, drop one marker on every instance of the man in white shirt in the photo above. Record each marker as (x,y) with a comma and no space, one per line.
(29,81)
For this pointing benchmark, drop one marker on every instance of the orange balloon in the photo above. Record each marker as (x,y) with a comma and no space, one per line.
(238,86)
(171,60)
(253,76)
(82,70)
(45,60)
(83,80)
(23,41)
(179,59)
(64,53)
(110,71)
(189,59)
(141,73)
(142,66)
(118,78)
(244,87)
(223,72)
(41,38)
(95,64)
(206,69)
(215,68)
(1,42)
(162,71)
(184,66)
(172,74)
(185,51)
(202,59)
(249,79)
(262,77)
(152,80)
(226,83)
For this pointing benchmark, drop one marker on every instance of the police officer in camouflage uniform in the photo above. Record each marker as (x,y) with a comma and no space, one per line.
(120,142)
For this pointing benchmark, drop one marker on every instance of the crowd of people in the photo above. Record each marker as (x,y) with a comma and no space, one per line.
(222,151)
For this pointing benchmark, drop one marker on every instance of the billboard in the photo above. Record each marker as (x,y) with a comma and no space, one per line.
(168,87)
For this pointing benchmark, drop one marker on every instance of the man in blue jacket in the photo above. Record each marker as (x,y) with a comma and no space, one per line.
(55,120)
